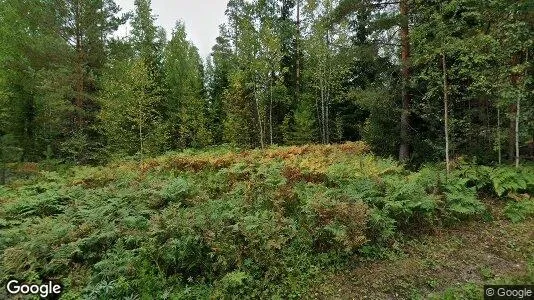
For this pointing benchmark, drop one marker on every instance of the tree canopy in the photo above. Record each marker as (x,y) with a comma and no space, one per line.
(280,72)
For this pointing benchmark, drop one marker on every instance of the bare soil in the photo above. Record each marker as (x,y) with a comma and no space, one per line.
(476,253)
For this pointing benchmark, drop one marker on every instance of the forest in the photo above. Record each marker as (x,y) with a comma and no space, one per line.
(319,142)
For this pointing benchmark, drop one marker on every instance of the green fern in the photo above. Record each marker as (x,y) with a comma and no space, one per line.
(508,180)
(518,211)
(461,200)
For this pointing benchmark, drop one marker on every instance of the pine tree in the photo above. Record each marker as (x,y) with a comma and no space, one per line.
(87,27)
(185,105)
(218,72)
(148,39)
(34,75)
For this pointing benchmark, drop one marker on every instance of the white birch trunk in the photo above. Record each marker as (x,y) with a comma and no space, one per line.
(446,106)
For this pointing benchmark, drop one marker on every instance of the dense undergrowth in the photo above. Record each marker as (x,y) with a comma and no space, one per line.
(223,223)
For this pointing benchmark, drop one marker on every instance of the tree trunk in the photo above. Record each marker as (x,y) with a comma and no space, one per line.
(140,118)
(327,123)
(317,108)
(513,115)
(271,110)
(79,67)
(405,151)
(297,88)
(511,132)
(323,132)
(446,106)
(260,123)
(499,145)
(328,87)
(327,113)
(518,114)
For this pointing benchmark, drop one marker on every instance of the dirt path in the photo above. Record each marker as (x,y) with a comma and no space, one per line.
(474,254)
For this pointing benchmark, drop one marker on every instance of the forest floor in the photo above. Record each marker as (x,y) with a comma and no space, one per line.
(312,222)
(452,263)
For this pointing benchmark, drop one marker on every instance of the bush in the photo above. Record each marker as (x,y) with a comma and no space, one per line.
(499,181)
(337,222)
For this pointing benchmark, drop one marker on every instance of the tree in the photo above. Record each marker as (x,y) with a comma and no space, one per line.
(405,151)
(328,63)
(246,94)
(271,91)
(238,127)
(217,75)
(87,26)
(148,39)
(33,55)
(53,60)
(348,7)
(446,111)
(129,118)
(185,105)
(288,32)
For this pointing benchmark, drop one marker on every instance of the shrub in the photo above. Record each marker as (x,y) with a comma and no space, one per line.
(407,202)
(48,203)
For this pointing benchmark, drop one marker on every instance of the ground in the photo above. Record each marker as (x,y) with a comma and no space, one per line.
(441,265)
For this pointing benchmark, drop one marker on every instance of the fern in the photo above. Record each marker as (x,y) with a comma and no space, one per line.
(176,190)
(461,200)
(518,211)
(223,224)
(508,180)
(46,204)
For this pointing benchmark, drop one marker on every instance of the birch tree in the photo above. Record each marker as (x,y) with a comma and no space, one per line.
(129,118)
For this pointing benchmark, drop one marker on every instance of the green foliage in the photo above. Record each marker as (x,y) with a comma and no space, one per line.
(44,204)
(338,222)
(408,202)
(238,127)
(518,211)
(302,128)
(148,40)
(461,199)
(128,116)
(502,181)
(71,89)
(226,223)
(509,180)
(75,148)
(8,154)
(184,106)
(222,223)
(176,190)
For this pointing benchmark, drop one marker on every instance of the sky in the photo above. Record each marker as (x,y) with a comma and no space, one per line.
(201,17)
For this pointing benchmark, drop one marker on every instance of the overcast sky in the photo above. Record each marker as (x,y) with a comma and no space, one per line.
(201,17)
